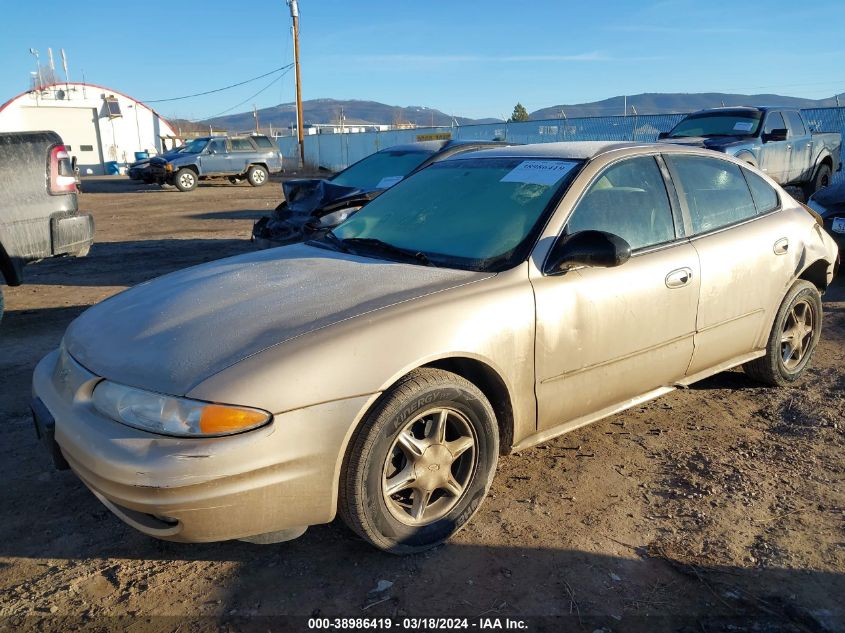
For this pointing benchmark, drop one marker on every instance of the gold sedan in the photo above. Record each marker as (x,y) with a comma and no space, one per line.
(487,303)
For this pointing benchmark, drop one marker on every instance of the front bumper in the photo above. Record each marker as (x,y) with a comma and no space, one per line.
(71,234)
(281,477)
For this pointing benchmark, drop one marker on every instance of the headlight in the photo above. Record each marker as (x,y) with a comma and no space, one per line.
(168,167)
(331,220)
(173,416)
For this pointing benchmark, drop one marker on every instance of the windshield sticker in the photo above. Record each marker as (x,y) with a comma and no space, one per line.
(539,172)
(743,126)
(388,181)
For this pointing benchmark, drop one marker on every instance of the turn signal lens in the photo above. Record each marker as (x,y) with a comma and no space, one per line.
(170,415)
(216,419)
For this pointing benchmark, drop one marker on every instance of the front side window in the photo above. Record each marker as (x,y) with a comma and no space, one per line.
(629,200)
(714,190)
(478,214)
(774,121)
(218,146)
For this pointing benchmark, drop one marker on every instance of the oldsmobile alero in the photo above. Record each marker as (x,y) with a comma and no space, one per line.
(483,305)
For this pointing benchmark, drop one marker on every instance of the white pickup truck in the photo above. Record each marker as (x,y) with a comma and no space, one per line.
(776,140)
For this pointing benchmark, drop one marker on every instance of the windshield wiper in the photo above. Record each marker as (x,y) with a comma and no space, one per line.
(385,247)
(335,241)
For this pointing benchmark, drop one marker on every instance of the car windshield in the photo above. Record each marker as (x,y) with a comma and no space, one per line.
(195,146)
(381,170)
(718,124)
(474,213)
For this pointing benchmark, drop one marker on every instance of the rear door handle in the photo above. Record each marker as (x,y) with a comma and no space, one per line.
(781,246)
(679,278)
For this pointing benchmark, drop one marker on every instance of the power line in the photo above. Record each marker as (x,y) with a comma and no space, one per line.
(208,92)
(237,105)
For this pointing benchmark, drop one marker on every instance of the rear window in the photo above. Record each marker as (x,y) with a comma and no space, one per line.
(241,145)
(715,191)
(727,123)
(263,142)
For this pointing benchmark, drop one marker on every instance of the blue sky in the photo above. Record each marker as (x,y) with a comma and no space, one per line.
(463,57)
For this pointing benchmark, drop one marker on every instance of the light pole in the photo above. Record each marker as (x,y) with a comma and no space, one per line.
(38,66)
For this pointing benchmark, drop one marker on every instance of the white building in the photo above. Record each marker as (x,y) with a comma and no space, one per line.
(98,125)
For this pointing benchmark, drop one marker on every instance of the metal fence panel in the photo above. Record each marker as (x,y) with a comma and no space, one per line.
(337,151)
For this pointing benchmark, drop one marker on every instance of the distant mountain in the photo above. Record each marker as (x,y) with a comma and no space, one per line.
(373,112)
(329,111)
(667,103)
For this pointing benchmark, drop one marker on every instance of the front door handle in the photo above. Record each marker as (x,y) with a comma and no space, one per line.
(781,246)
(679,278)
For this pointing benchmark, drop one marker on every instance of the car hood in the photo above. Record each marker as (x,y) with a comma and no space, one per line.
(169,334)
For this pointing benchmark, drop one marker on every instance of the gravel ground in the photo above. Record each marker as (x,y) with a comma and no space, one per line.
(718,506)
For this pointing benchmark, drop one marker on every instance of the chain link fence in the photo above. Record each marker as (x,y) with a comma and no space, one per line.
(337,151)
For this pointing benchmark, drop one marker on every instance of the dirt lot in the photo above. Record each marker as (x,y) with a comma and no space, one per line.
(716,506)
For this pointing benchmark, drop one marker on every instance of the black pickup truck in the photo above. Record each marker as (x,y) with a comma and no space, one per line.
(39,208)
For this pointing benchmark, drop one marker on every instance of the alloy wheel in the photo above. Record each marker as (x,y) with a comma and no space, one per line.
(797,334)
(429,466)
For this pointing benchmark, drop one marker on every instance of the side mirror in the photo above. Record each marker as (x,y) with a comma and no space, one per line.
(662,135)
(778,134)
(597,249)
(210,150)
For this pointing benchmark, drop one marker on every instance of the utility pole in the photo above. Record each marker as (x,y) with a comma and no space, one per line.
(294,14)
(625,105)
(255,116)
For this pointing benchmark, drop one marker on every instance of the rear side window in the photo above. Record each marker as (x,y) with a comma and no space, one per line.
(241,145)
(714,190)
(263,142)
(629,200)
(796,123)
(764,196)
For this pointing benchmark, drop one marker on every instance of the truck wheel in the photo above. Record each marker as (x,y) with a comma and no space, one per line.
(819,181)
(185,179)
(421,463)
(256,175)
(793,339)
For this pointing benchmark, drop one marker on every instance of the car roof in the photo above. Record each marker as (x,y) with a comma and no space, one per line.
(761,109)
(440,145)
(580,150)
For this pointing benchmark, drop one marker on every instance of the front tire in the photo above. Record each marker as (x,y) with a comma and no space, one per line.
(256,175)
(793,339)
(421,463)
(185,179)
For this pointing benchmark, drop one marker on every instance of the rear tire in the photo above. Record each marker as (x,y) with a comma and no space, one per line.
(433,441)
(793,339)
(820,180)
(256,175)
(185,179)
